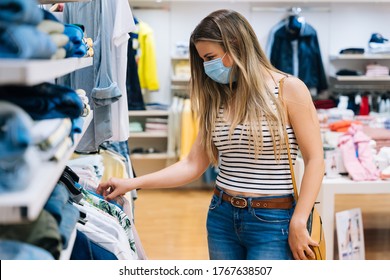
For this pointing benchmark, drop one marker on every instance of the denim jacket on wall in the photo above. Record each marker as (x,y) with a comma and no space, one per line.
(310,67)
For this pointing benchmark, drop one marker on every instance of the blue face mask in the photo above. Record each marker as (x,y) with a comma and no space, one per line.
(217,71)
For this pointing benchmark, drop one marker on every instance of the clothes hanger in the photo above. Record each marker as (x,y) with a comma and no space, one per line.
(295,20)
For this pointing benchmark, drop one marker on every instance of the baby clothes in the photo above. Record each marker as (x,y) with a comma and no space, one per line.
(357,154)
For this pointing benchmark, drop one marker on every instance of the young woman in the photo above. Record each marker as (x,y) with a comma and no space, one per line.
(243,121)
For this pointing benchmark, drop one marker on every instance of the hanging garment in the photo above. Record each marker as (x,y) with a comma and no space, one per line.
(115,211)
(135,99)
(299,54)
(364,106)
(114,165)
(123,25)
(147,64)
(189,129)
(108,224)
(98,81)
(86,249)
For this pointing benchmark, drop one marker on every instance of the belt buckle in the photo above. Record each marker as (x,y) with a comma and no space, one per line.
(235,202)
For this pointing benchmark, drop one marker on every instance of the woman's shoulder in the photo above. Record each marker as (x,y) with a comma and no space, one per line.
(294,89)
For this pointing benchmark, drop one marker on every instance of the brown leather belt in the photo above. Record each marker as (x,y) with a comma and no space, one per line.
(272,203)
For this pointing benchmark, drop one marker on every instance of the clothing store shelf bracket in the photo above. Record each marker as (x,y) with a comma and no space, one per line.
(26,205)
(32,72)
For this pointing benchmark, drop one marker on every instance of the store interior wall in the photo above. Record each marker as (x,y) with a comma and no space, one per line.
(338,26)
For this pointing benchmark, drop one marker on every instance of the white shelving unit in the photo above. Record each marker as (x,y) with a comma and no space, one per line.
(180,74)
(31,72)
(147,162)
(26,205)
(16,207)
(358,62)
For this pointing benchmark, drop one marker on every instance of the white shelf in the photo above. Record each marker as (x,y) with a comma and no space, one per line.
(180,79)
(156,156)
(148,113)
(180,57)
(362,79)
(158,134)
(19,206)
(35,71)
(360,57)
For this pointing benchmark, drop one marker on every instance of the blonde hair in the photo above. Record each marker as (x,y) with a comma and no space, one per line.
(255,101)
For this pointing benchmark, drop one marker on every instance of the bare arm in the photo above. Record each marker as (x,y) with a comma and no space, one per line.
(303,118)
(178,174)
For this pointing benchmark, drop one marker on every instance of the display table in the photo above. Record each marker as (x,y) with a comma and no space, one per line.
(326,197)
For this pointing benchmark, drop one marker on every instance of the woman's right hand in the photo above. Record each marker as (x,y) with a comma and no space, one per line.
(114,187)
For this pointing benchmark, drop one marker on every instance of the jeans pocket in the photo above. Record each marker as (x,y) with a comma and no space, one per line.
(214,202)
(272,215)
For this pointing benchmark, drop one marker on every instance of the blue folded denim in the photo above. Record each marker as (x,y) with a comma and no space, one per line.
(70,216)
(25,41)
(15,139)
(45,101)
(16,250)
(56,202)
(65,213)
(76,46)
(42,232)
(75,33)
(15,134)
(20,11)
(49,16)
(77,125)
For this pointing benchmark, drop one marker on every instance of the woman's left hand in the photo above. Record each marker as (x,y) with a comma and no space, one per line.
(300,241)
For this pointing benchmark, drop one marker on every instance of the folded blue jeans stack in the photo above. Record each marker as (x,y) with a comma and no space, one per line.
(15,139)
(19,37)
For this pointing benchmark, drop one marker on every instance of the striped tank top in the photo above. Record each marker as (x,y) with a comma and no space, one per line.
(240,171)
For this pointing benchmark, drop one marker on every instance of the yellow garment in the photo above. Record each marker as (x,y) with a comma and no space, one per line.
(147,64)
(114,166)
(189,129)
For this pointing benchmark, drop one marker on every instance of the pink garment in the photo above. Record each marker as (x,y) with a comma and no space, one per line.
(357,155)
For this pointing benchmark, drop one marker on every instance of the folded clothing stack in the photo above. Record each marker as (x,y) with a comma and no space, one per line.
(376,70)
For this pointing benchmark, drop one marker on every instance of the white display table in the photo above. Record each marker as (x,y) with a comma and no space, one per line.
(326,197)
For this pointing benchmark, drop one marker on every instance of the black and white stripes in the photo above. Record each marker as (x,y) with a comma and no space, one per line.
(241,171)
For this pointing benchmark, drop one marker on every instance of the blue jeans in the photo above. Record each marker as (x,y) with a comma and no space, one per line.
(15,140)
(20,11)
(247,233)
(25,41)
(17,250)
(44,101)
